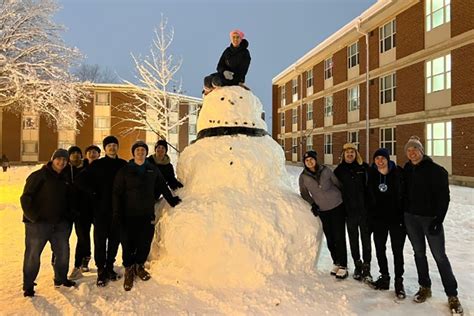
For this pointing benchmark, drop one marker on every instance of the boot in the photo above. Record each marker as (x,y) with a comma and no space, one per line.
(76,274)
(129,278)
(102,277)
(358,270)
(334,269)
(399,289)
(67,283)
(113,276)
(141,272)
(342,273)
(85,264)
(382,283)
(366,276)
(455,305)
(29,292)
(422,295)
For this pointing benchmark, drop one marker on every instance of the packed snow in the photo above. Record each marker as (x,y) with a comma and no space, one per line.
(311,293)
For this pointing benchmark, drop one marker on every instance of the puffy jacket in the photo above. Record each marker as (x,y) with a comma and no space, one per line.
(320,187)
(167,170)
(353,178)
(237,60)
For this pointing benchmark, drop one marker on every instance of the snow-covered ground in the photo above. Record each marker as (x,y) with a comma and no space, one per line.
(316,293)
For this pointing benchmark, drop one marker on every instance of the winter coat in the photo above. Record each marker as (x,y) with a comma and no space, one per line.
(137,188)
(167,170)
(385,207)
(237,60)
(321,187)
(353,178)
(426,189)
(85,199)
(47,196)
(98,181)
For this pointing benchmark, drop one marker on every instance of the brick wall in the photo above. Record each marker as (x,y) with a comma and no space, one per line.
(302,88)
(410,89)
(318,145)
(340,107)
(288,125)
(318,112)
(288,93)
(462,13)
(374,49)
(462,75)
(362,55)
(463,146)
(11,136)
(404,132)
(374,98)
(340,66)
(48,141)
(318,77)
(183,130)
(276,128)
(410,30)
(85,136)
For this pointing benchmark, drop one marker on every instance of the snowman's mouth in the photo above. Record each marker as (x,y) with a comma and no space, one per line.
(231,130)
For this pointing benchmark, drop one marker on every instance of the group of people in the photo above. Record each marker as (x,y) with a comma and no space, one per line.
(115,196)
(380,200)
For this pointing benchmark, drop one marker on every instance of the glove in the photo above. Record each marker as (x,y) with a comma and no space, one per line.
(315,209)
(435,226)
(179,185)
(175,200)
(176,186)
(229,75)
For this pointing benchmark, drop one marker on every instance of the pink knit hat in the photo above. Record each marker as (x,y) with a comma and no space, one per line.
(241,34)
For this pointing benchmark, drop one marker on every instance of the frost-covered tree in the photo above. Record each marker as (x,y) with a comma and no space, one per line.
(155,78)
(35,63)
(95,73)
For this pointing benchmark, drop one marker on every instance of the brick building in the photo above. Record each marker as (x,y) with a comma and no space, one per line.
(28,138)
(401,68)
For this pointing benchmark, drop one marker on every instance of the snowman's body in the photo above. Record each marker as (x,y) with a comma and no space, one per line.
(239,221)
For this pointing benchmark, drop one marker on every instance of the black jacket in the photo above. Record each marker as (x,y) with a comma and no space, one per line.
(98,180)
(385,206)
(47,196)
(137,188)
(353,178)
(167,171)
(237,60)
(426,189)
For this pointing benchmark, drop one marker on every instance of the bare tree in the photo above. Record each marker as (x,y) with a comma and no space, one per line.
(95,73)
(153,100)
(35,62)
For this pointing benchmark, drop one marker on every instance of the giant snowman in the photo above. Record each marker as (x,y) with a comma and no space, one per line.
(239,222)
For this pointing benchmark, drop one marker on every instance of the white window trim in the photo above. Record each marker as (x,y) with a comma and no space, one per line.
(102,103)
(445,9)
(283,96)
(328,113)
(309,143)
(328,65)
(355,141)
(383,89)
(446,74)
(350,100)
(294,86)
(309,111)
(383,142)
(447,139)
(294,146)
(351,54)
(383,36)
(309,78)
(294,116)
(282,119)
(328,144)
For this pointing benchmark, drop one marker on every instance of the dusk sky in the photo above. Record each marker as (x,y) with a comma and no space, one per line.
(279,32)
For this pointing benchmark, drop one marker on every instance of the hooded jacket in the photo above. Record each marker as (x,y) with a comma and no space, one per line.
(167,170)
(237,60)
(353,178)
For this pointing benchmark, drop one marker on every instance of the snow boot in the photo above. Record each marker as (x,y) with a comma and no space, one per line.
(399,289)
(358,270)
(29,292)
(382,283)
(102,277)
(334,269)
(455,305)
(67,283)
(85,264)
(422,295)
(113,276)
(342,273)
(76,274)
(142,273)
(366,276)
(129,278)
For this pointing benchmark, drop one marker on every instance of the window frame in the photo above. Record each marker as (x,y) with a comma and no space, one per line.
(383,90)
(383,36)
(294,145)
(282,118)
(102,103)
(30,142)
(309,79)
(445,10)
(353,101)
(309,113)
(430,76)
(309,143)
(383,141)
(328,149)
(294,86)
(352,56)
(328,68)
(446,139)
(106,119)
(350,138)
(328,113)
(283,96)
(294,116)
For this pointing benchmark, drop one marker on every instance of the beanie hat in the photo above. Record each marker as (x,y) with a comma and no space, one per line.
(137,144)
(74,149)
(237,31)
(60,152)
(347,146)
(382,152)
(163,143)
(92,147)
(110,140)
(310,153)
(415,142)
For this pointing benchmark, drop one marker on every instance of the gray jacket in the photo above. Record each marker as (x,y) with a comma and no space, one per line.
(321,188)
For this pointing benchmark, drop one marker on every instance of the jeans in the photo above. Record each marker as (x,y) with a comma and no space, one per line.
(106,241)
(136,234)
(417,229)
(354,224)
(397,239)
(36,236)
(83,232)
(333,227)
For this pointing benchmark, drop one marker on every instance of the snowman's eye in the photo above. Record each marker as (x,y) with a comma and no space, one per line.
(222,99)
(241,97)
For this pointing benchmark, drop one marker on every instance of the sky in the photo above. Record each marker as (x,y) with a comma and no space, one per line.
(279,32)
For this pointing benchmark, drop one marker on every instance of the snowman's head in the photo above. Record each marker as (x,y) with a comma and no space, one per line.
(231,106)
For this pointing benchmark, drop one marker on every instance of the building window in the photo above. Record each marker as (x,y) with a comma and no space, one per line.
(353,137)
(387,36)
(438,12)
(192,129)
(438,74)
(328,144)
(309,78)
(353,55)
(102,98)
(438,139)
(353,98)
(283,96)
(328,68)
(309,143)
(102,122)
(294,146)
(309,112)
(282,119)
(294,86)
(29,122)
(388,140)
(388,87)
(30,148)
(294,116)
(328,106)
(283,144)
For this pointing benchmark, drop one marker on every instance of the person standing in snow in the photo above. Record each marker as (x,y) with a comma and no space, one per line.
(386,217)
(47,211)
(426,199)
(233,64)
(352,174)
(162,161)
(137,186)
(98,181)
(5,163)
(320,188)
